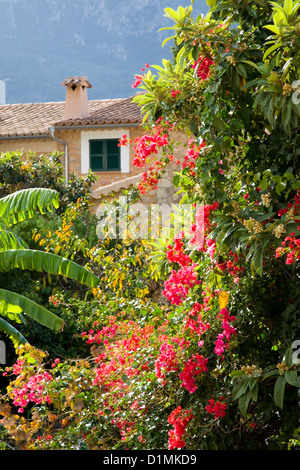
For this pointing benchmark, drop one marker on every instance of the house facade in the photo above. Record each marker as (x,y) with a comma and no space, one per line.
(87,133)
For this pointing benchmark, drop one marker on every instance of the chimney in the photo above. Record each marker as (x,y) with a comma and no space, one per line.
(76,105)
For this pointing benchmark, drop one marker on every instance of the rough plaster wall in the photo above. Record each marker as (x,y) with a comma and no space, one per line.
(38,146)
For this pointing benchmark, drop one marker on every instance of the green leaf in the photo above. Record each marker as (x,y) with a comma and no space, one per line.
(32,310)
(240,388)
(181,56)
(279,390)
(257,263)
(227,235)
(237,373)
(254,391)
(167,39)
(10,241)
(270,373)
(280,187)
(244,403)
(279,18)
(176,180)
(168,66)
(255,82)
(12,332)
(292,378)
(249,62)
(241,70)
(170,13)
(24,204)
(9,308)
(264,183)
(219,123)
(286,113)
(273,28)
(34,260)
(272,49)
(180,12)
(288,357)
(288,6)
(252,382)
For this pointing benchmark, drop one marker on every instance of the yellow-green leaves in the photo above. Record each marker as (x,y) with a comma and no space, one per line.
(179,16)
(286,14)
(286,20)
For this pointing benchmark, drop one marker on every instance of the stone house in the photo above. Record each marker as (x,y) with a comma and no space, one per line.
(87,133)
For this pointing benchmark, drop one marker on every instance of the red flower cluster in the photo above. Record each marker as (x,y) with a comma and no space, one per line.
(174,93)
(290,247)
(201,228)
(149,144)
(138,81)
(196,325)
(124,141)
(295,205)
(18,366)
(291,244)
(118,359)
(216,408)
(32,391)
(179,283)
(166,361)
(232,266)
(150,178)
(228,330)
(196,365)
(193,153)
(146,147)
(179,418)
(176,254)
(139,78)
(54,300)
(101,335)
(203,66)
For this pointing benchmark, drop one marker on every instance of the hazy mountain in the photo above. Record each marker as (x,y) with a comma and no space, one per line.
(44,41)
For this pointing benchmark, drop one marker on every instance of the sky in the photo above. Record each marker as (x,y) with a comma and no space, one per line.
(109,41)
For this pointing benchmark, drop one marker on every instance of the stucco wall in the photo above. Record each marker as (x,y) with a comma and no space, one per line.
(37,145)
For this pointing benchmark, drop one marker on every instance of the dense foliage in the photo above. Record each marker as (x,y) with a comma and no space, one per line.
(216,366)
(21,171)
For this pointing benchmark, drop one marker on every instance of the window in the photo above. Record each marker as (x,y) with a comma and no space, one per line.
(100,135)
(105,155)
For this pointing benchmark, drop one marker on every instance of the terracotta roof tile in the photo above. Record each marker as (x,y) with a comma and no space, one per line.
(120,111)
(34,119)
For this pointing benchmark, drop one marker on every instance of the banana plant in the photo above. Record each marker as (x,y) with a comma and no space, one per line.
(14,253)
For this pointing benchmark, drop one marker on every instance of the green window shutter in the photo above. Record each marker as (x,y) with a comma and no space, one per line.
(105,155)
(96,155)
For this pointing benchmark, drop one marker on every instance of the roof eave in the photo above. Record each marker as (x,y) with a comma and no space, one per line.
(96,126)
(25,136)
